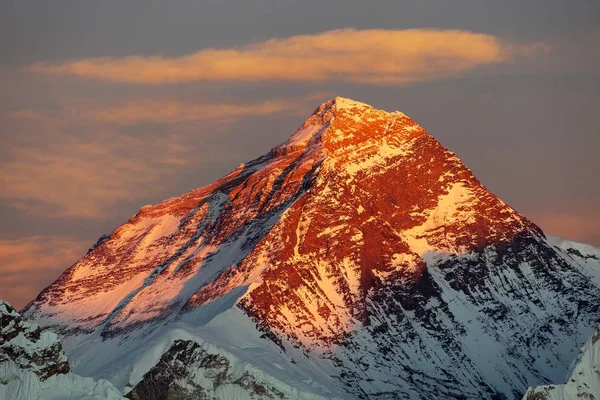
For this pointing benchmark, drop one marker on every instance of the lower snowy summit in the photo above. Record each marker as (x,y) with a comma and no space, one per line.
(34,367)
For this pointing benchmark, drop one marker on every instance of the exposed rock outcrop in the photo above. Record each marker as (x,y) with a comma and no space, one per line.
(187,371)
(28,346)
(34,367)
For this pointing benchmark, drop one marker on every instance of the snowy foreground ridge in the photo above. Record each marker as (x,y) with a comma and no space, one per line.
(34,367)
(584,382)
(360,259)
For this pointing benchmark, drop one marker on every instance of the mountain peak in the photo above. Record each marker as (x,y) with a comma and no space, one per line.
(339,103)
(343,103)
(362,248)
(342,122)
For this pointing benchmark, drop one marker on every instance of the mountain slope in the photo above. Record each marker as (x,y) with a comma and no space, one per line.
(189,371)
(34,367)
(584,382)
(358,259)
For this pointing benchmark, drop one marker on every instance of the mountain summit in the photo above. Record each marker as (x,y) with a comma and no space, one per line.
(359,259)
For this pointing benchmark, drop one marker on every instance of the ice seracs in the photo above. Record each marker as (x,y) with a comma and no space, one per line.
(360,259)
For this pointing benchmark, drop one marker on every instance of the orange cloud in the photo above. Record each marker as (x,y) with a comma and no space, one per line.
(170,111)
(86,176)
(369,56)
(161,111)
(30,264)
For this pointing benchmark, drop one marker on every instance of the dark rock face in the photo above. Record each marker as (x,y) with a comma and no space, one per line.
(28,346)
(500,292)
(187,371)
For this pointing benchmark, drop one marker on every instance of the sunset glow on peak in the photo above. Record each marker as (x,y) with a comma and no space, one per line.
(316,200)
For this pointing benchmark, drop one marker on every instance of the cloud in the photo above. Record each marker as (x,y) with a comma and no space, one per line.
(176,111)
(173,111)
(165,111)
(87,175)
(346,55)
(30,264)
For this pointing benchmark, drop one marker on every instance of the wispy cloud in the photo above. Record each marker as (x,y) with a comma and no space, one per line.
(347,55)
(176,111)
(85,176)
(154,110)
(29,264)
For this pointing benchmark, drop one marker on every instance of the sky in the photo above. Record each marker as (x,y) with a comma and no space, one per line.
(108,106)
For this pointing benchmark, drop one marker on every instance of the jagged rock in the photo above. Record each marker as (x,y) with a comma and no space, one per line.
(34,367)
(28,346)
(187,371)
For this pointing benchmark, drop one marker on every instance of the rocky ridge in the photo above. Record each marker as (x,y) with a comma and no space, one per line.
(189,371)
(28,346)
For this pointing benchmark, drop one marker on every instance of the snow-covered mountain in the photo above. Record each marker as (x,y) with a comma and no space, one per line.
(359,259)
(34,367)
(584,382)
(189,370)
